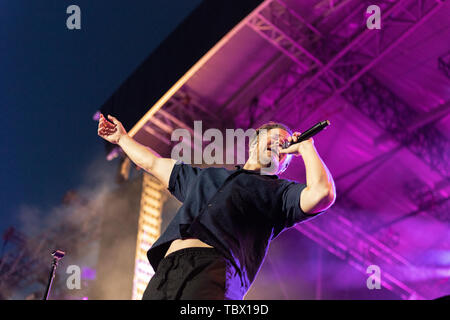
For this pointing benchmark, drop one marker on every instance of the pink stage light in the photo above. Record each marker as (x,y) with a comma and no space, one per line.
(88,273)
(96,116)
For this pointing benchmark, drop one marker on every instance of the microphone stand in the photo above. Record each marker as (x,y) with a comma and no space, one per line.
(57,255)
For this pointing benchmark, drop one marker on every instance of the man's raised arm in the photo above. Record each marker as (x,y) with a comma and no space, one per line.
(115,133)
(320,191)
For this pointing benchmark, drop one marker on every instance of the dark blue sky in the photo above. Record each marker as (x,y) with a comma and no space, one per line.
(52,80)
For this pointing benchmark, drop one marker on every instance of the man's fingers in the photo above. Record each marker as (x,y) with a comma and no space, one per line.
(103,120)
(106,124)
(106,131)
(287,150)
(295,136)
(113,119)
(291,150)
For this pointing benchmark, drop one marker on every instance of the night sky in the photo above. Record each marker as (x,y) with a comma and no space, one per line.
(53,80)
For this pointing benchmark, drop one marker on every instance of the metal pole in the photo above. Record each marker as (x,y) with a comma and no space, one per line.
(57,255)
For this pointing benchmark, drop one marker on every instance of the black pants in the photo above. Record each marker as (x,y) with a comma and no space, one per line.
(193,274)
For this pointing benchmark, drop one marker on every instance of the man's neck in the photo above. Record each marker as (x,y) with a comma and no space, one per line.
(251,166)
(256,166)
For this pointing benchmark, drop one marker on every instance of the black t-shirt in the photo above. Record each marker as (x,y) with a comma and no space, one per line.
(236,211)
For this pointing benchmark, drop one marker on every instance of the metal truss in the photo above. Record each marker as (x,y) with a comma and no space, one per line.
(361,241)
(364,50)
(27,260)
(350,63)
(432,200)
(377,102)
(428,199)
(296,39)
(320,73)
(444,64)
(340,236)
(180,111)
(149,229)
(285,29)
(325,66)
(390,113)
(14,243)
(263,103)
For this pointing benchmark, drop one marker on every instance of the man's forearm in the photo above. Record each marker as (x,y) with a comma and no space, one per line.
(317,174)
(137,153)
(161,168)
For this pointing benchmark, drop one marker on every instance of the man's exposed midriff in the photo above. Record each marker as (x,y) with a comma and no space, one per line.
(179,244)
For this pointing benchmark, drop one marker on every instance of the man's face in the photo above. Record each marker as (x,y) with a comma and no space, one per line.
(269,145)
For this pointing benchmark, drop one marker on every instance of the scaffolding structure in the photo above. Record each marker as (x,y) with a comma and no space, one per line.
(444,64)
(25,260)
(323,67)
(149,229)
(322,59)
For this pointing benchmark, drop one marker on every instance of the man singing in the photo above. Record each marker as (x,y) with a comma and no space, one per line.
(216,243)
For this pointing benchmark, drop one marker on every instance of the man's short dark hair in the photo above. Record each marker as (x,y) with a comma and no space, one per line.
(267,126)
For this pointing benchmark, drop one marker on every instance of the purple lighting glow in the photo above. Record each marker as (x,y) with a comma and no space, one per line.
(88,273)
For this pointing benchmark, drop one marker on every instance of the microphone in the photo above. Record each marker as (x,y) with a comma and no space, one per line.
(308,133)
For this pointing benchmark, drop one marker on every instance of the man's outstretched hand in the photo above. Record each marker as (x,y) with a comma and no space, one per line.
(110,131)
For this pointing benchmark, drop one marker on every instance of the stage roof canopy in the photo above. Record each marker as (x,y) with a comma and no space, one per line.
(386,92)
